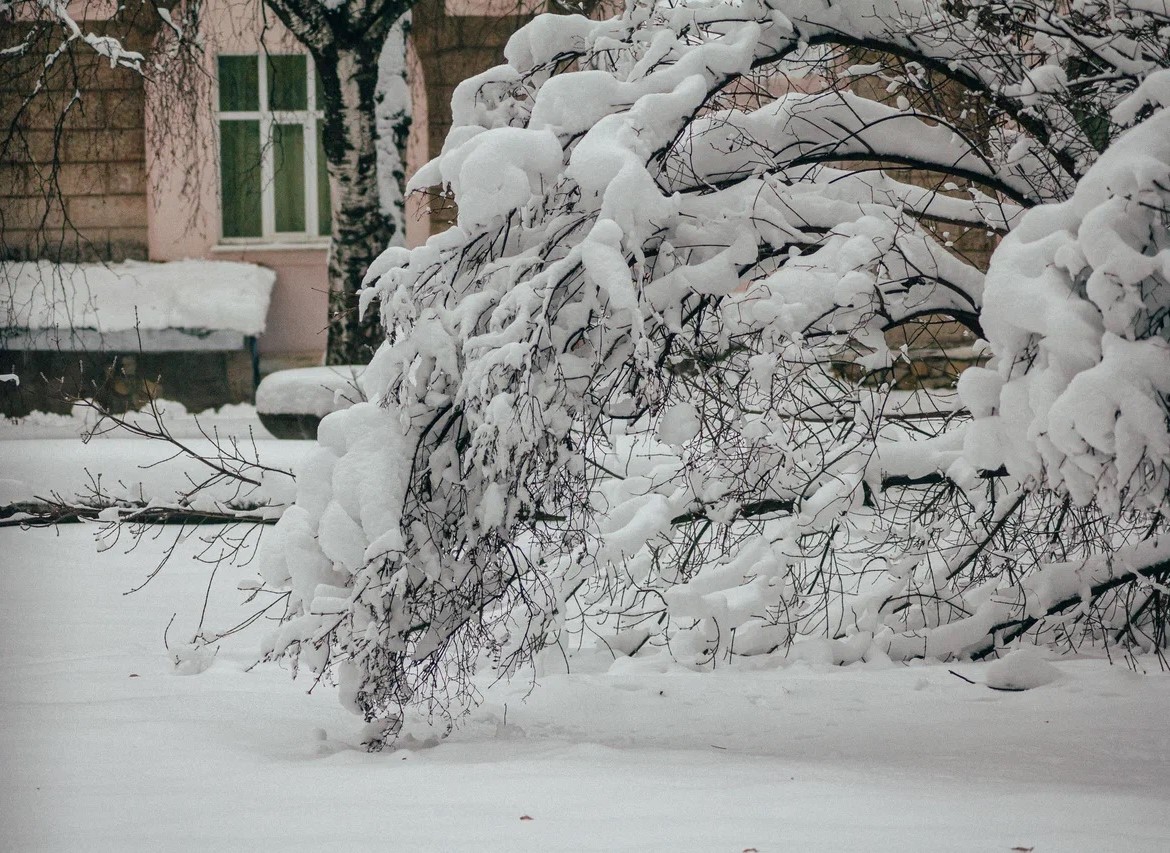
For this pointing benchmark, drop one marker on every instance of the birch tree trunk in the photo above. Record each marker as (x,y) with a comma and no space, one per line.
(360,230)
(345,43)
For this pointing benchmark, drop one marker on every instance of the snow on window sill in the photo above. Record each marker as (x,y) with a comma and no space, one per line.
(271,245)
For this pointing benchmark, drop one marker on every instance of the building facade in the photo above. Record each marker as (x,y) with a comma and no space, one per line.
(108,164)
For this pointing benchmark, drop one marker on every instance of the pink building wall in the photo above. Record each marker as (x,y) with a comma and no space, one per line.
(183,192)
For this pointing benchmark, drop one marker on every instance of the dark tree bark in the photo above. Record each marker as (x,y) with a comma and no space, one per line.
(360,230)
(345,44)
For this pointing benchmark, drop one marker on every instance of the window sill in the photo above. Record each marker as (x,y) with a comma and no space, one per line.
(272,246)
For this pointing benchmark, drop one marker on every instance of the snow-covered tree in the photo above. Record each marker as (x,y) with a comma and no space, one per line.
(643,377)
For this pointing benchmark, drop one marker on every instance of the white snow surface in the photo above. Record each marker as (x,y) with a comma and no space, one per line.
(233,419)
(191,294)
(110,741)
(106,747)
(42,457)
(141,472)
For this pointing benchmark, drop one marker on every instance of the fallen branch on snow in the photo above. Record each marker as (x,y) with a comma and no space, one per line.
(45,513)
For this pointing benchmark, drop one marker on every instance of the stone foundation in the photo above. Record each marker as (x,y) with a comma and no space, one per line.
(122,381)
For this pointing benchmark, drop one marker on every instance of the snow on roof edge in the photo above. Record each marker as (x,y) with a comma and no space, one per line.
(188,294)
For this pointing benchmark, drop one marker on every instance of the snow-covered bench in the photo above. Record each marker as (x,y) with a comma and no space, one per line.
(184,330)
(291,403)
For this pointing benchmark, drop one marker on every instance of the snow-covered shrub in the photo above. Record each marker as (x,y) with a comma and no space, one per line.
(625,384)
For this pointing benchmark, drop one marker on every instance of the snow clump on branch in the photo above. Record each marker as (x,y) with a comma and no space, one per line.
(1078,315)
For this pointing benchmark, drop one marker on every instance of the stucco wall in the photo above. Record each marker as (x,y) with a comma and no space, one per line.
(183,189)
(139,174)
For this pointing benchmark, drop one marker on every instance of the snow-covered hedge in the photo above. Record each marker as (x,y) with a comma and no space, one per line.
(625,384)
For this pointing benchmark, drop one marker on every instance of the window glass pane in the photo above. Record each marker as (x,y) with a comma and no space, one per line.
(239,83)
(288,83)
(288,184)
(324,202)
(239,154)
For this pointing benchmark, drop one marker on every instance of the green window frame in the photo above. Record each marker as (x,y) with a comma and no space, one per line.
(273,180)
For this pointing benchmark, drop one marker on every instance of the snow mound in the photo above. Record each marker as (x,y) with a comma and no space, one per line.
(1023,669)
(310,390)
(195,294)
(231,420)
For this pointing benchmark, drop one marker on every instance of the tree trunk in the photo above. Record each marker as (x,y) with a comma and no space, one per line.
(394,115)
(349,76)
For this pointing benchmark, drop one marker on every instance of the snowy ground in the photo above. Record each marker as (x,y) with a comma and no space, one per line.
(105,747)
(43,457)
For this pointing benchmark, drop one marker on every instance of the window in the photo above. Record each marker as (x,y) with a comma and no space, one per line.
(273,182)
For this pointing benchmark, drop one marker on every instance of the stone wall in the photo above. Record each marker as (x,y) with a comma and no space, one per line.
(122,381)
(73,159)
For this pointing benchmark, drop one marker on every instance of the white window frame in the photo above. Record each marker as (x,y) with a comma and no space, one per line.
(309,120)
